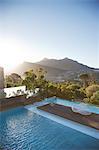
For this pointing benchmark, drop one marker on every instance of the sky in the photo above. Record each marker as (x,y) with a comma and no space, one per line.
(31,30)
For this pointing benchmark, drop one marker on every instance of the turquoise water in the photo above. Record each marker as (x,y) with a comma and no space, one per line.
(80,105)
(21,129)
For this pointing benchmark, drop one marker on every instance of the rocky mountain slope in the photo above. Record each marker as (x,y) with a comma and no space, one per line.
(57,70)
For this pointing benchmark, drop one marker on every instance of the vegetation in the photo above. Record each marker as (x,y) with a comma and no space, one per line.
(2,94)
(86,92)
(87,79)
(95,98)
(13,80)
(29,80)
(92,93)
(91,89)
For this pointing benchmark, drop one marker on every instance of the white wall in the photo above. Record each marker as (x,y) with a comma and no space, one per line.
(1,78)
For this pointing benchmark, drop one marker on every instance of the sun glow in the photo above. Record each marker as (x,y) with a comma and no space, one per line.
(10,53)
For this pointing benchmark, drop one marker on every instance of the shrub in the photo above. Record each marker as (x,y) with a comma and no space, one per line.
(91,89)
(73,87)
(80,94)
(86,100)
(2,94)
(95,98)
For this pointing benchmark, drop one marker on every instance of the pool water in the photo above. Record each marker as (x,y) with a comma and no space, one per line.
(83,106)
(21,129)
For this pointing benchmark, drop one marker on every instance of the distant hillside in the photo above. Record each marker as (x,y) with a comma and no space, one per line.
(65,64)
(57,70)
(52,73)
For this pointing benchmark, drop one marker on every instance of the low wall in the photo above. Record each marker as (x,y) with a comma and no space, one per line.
(7,103)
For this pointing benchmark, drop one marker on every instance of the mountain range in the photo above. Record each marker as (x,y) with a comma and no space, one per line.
(57,70)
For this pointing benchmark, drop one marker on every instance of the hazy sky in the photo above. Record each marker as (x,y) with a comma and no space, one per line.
(33,29)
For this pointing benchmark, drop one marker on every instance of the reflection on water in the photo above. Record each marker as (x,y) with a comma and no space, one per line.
(21,129)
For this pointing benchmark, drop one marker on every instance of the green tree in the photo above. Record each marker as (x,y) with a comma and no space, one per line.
(52,89)
(85,79)
(40,73)
(35,79)
(29,80)
(13,80)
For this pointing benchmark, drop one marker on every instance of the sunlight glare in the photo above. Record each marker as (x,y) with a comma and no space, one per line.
(10,53)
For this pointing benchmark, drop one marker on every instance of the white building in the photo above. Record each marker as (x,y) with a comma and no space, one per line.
(1,78)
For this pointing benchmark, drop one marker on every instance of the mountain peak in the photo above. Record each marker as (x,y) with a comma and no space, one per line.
(57,68)
(44,59)
(65,64)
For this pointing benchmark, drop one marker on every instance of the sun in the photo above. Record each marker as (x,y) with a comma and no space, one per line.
(10,53)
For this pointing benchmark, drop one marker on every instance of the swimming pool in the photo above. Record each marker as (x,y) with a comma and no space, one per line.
(80,105)
(21,129)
